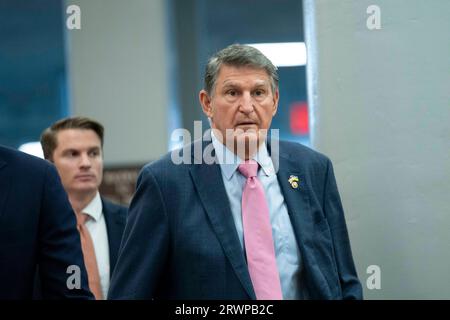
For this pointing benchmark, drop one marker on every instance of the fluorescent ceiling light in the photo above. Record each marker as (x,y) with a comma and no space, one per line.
(33,148)
(283,54)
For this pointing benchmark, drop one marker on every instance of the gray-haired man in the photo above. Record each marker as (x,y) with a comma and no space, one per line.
(267,225)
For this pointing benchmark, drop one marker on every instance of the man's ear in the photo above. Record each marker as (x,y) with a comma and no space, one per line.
(276,98)
(205,101)
(50,158)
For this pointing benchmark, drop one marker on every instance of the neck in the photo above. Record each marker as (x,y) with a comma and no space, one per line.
(80,201)
(244,155)
(244,148)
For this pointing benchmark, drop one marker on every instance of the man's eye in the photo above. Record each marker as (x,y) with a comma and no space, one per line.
(259,93)
(94,153)
(231,93)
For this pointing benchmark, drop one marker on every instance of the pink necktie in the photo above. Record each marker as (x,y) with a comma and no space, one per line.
(259,245)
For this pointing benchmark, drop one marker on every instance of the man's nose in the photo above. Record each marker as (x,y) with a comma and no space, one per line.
(246,103)
(85,161)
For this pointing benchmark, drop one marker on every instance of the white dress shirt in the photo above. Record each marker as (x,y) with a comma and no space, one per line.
(97,228)
(286,249)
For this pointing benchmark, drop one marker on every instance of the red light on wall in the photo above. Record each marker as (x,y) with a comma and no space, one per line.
(299,118)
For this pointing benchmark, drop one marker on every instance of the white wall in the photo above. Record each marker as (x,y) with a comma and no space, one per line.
(118,75)
(380,104)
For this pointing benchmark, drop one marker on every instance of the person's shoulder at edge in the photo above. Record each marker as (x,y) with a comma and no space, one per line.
(302,154)
(23,161)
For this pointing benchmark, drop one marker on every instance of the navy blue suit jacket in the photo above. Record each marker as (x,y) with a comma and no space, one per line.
(37,226)
(180,241)
(115,218)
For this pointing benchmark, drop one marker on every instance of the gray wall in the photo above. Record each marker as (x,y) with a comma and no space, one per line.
(380,110)
(118,75)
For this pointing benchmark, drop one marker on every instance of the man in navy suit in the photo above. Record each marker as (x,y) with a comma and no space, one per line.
(75,146)
(37,227)
(188,234)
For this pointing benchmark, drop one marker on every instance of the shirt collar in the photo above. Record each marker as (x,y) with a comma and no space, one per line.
(229,162)
(94,208)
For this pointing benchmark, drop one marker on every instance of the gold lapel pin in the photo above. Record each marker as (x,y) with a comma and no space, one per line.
(294,181)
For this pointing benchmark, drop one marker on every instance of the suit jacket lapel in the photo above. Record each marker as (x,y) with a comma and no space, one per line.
(114,228)
(298,205)
(297,199)
(212,193)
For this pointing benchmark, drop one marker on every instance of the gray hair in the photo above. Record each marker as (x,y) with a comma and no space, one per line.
(238,55)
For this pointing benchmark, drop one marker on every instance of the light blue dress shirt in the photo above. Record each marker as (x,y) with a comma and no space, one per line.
(286,249)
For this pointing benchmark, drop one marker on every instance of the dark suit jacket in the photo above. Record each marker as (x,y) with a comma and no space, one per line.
(115,218)
(180,241)
(37,226)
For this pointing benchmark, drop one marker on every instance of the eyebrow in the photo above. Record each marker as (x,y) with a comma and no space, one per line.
(232,84)
(76,150)
(70,150)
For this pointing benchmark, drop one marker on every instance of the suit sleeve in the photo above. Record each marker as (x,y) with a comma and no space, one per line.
(350,285)
(144,248)
(59,245)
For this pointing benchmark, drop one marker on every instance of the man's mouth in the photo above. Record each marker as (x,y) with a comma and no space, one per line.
(246,123)
(84,176)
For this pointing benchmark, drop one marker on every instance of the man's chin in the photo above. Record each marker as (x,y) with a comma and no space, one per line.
(85,189)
